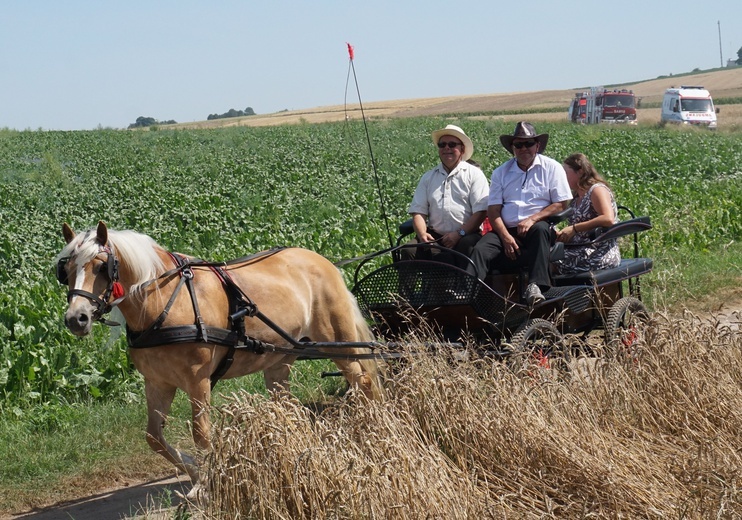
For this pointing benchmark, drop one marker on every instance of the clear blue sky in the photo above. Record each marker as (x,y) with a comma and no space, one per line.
(80,64)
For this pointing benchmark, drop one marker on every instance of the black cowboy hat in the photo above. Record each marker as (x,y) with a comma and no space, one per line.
(524,130)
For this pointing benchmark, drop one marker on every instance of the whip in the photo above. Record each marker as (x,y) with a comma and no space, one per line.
(351,67)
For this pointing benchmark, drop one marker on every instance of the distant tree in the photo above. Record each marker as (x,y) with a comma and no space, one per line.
(142,122)
(739,57)
(232,113)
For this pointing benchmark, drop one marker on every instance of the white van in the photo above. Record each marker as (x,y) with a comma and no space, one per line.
(689,105)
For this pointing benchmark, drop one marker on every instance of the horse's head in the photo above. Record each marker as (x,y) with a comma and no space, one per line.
(88,265)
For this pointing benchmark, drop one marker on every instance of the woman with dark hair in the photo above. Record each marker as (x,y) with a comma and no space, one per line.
(594,207)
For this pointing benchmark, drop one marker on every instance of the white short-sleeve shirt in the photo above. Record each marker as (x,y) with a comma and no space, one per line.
(523,194)
(449,199)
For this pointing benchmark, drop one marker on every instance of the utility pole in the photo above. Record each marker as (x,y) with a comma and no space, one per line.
(721,58)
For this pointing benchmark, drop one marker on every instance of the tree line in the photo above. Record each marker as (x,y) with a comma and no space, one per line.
(143,121)
(232,113)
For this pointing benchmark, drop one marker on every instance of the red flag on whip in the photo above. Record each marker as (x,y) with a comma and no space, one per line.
(350,50)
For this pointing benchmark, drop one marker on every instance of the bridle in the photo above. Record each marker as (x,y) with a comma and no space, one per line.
(103,303)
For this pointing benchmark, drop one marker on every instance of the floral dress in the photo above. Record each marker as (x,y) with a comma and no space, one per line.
(588,257)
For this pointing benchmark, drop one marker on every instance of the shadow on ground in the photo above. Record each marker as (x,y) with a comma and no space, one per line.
(117,504)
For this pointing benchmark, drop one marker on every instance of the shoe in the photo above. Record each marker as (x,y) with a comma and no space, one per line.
(533,295)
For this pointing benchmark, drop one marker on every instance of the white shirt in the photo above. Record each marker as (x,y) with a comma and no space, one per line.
(523,194)
(449,199)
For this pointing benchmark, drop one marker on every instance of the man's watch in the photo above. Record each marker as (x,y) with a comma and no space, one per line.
(462,233)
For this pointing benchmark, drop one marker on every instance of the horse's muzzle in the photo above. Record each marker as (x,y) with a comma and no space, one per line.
(79,322)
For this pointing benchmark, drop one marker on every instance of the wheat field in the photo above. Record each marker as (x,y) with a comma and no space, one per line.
(653,435)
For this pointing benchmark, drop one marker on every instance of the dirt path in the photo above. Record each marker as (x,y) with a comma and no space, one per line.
(115,504)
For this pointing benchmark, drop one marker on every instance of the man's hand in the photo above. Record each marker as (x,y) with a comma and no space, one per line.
(425,237)
(524,225)
(512,250)
(451,239)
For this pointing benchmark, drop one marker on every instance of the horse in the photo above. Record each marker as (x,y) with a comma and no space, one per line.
(235,318)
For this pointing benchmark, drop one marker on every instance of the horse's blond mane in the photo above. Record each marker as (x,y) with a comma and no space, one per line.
(137,251)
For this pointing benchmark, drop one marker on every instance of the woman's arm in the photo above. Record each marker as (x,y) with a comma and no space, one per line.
(600,199)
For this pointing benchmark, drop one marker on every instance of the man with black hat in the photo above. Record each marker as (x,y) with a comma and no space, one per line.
(450,201)
(524,191)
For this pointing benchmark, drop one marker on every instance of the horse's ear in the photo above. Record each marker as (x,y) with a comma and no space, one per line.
(67,233)
(102,232)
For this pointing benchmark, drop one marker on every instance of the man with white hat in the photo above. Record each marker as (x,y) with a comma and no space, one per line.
(524,191)
(450,201)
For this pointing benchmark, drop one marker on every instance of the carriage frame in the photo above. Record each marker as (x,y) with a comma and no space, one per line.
(397,294)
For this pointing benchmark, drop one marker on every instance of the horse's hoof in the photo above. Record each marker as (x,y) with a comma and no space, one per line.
(198,495)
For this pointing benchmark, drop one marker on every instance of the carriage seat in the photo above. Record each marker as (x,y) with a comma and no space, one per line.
(628,268)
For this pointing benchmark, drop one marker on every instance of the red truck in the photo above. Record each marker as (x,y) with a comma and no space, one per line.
(601,105)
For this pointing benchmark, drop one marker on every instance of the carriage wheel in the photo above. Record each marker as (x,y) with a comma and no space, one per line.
(624,320)
(538,348)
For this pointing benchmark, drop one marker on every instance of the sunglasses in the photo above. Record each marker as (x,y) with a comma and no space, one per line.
(450,144)
(521,144)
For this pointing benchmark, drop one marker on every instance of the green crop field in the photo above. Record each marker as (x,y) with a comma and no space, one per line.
(221,194)
(224,193)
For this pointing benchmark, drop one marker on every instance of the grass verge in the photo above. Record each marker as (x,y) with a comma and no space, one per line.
(57,453)
(701,281)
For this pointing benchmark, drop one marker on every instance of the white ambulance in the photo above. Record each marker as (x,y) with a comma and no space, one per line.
(689,105)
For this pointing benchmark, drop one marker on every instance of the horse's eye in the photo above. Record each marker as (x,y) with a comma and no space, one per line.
(98,268)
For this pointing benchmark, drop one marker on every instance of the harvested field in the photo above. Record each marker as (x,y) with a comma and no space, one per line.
(721,84)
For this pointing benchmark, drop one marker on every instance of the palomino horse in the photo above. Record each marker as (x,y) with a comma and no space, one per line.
(235,318)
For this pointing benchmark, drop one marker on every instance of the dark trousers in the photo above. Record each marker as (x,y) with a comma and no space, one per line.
(489,254)
(433,252)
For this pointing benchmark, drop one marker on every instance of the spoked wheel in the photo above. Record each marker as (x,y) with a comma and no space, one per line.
(538,349)
(622,326)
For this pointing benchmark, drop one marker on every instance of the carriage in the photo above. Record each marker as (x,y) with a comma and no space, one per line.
(398,293)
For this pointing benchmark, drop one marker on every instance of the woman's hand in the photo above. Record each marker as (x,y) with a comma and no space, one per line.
(566,234)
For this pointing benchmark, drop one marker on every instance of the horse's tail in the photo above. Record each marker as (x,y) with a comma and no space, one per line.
(369,366)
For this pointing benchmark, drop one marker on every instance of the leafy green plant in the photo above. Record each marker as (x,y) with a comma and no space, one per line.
(223,193)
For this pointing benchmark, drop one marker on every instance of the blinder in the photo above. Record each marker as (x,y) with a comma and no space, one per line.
(62,276)
(112,269)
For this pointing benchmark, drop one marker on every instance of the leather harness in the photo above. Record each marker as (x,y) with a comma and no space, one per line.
(232,338)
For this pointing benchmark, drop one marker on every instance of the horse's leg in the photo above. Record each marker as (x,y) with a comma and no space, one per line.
(159,399)
(200,396)
(359,376)
(277,377)
(362,374)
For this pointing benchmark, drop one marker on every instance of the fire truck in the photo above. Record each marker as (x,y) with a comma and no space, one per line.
(601,105)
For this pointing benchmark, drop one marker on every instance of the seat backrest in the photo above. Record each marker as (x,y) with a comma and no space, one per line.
(632,226)
(405,228)
(625,227)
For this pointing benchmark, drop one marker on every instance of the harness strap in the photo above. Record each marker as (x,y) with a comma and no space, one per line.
(101,307)
(240,305)
(223,367)
(138,338)
(191,334)
(187,274)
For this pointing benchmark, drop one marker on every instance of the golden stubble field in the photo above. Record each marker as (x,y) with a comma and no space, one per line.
(721,84)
